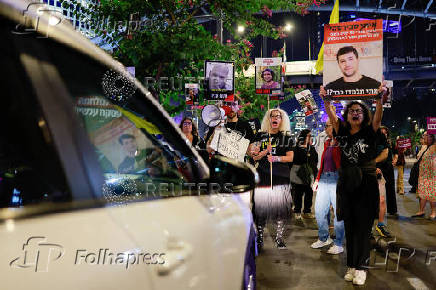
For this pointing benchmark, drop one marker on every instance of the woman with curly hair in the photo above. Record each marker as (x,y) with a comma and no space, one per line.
(357,188)
(272,149)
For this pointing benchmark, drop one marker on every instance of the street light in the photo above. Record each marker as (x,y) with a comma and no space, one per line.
(408,118)
(240,29)
(288,27)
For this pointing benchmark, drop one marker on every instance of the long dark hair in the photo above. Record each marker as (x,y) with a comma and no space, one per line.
(367,116)
(302,136)
(194,128)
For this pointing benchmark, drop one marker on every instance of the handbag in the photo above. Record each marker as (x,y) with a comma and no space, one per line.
(414,172)
(305,172)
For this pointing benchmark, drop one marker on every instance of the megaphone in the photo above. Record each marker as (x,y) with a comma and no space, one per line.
(212,115)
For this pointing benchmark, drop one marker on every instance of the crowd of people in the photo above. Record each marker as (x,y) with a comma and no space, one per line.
(350,168)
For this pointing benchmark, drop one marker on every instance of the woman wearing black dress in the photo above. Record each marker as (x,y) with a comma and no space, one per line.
(272,149)
(357,189)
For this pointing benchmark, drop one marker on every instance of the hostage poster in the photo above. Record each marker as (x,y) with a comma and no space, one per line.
(353,59)
(268,76)
(307,103)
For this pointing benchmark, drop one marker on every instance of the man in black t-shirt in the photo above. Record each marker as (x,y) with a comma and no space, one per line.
(241,126)
(348,62)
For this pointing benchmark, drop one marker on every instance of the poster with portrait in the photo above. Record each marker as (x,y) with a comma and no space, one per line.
(353,59)
(118,143)
(191,94)
(268,72)
(387,99)
(219,79)
(307,102)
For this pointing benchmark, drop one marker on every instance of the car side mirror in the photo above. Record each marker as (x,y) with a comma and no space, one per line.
(232,175)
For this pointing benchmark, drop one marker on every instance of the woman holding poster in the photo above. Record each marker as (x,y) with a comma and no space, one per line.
(357,188)
(272,145)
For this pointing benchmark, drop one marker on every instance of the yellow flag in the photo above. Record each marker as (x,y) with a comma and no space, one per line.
(334,18)
(139,122)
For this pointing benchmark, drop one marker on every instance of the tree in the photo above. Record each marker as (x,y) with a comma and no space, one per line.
(162,38)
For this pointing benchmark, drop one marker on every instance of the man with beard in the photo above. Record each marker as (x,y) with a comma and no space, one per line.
(233,123)
(348,62)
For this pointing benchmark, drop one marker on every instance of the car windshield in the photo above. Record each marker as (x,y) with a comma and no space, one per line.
(138,150)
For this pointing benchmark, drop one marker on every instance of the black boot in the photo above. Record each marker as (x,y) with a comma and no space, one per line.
(260,238)
(280,243)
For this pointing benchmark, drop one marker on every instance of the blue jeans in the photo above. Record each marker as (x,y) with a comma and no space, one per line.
(325,196)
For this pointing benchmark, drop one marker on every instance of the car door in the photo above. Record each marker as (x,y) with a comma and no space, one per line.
(99,199)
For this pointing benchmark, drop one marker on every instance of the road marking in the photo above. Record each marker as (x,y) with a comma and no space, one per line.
(417,284)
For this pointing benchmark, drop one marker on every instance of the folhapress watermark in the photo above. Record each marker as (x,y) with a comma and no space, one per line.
(34,25)
(107,257)
(38,255)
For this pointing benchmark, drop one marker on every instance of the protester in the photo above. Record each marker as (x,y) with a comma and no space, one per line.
(190,130)
(272,148)
(399,161)
(427,178)
(357,188)
(303,173)
(233,122)
(414,181)
(382,156)
(326,194)
(388,174)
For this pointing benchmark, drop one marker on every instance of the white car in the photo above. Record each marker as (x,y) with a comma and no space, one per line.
(98,188)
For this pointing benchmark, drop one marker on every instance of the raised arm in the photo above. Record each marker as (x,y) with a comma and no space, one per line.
(378,115)
(330,109)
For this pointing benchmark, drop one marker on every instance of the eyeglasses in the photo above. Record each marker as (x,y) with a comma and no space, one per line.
(187,123)
(357,111)
(276,116)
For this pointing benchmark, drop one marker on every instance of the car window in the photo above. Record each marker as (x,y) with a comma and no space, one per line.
(139,153)
(30,168)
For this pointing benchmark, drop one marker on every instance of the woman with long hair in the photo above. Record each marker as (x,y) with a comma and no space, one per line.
(304,155)
(190,131)
(272,148)
(357,189)
(387,169)
(427,177)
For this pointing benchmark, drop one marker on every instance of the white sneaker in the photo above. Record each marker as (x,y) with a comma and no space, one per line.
(319,244)
(359,277)
(298,216)
(349,276)
(334,250)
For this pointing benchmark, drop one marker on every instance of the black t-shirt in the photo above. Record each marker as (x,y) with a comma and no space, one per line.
(242,127)
(280,144)
(365,83)
(301,156)
(359,148)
